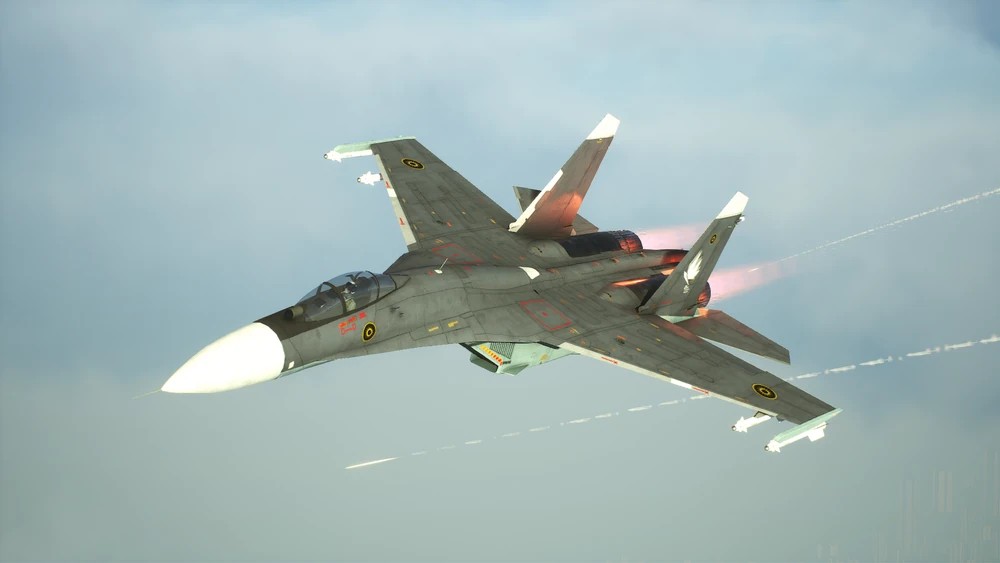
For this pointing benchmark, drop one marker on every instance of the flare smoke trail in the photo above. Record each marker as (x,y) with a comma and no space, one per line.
(944,348)
(931,211)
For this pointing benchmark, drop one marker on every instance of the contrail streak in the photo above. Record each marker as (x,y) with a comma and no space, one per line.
(741,279)
(931,211)
(368,463)
(942,349)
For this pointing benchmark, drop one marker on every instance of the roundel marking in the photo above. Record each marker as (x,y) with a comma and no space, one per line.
(415,164)
(763,391)
(368,332)
(713,239)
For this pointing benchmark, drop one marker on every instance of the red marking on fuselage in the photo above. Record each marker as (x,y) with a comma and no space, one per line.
(456,254)
(543,313)
(348,325)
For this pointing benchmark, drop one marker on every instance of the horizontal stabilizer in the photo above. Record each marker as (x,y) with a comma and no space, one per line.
(525,196)
(678,295)
(552,212)
(720,327)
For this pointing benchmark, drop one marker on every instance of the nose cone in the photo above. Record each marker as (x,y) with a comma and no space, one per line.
(246,356)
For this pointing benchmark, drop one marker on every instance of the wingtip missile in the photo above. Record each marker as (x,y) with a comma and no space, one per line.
(354,150)
(343,151)
(813,429)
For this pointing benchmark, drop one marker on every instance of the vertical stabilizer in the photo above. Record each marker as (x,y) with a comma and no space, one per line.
(525,196)
(678,295)
(552,212)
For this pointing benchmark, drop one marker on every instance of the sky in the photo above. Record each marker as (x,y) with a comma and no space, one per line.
(161,184)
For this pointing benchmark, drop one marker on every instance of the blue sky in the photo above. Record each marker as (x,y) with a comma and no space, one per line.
(161,184)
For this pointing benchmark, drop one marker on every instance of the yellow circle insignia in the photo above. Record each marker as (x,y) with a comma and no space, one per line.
(368,332)
(713,239)
(415,164)
(764,391)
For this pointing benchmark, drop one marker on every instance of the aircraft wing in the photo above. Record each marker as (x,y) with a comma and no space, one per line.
(437,209)
(652,346)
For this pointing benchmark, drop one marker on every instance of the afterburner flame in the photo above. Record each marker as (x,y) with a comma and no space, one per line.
(681,236)
(626,283)
(734,281)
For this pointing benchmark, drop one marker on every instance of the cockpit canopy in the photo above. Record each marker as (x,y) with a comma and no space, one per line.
(343,294)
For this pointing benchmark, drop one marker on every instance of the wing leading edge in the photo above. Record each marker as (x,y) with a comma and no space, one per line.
(437,209)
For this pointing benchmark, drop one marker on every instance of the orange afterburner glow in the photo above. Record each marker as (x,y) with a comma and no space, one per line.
(734,281)
(682,236)
(626,283)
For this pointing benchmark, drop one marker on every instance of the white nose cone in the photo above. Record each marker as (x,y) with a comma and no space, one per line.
(252,354)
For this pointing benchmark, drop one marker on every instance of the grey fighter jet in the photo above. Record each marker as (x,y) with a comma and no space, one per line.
(519,292)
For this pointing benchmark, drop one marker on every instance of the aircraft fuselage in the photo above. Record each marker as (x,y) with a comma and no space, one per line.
(455,303)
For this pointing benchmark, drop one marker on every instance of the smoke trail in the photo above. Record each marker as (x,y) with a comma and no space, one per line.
(369,463)
(931,211)
(944,348)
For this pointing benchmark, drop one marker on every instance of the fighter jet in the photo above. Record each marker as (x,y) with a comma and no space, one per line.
(519,292)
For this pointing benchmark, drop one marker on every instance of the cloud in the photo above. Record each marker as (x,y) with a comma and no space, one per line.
(161,183)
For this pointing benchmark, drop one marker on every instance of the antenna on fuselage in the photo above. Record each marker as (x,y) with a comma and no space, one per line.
(438,271)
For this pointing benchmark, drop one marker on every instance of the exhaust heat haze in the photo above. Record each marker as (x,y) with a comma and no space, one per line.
(741,279)
(681,236)
(734,281)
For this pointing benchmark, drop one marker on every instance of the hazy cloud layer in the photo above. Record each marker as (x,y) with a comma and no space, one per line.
(162,184)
